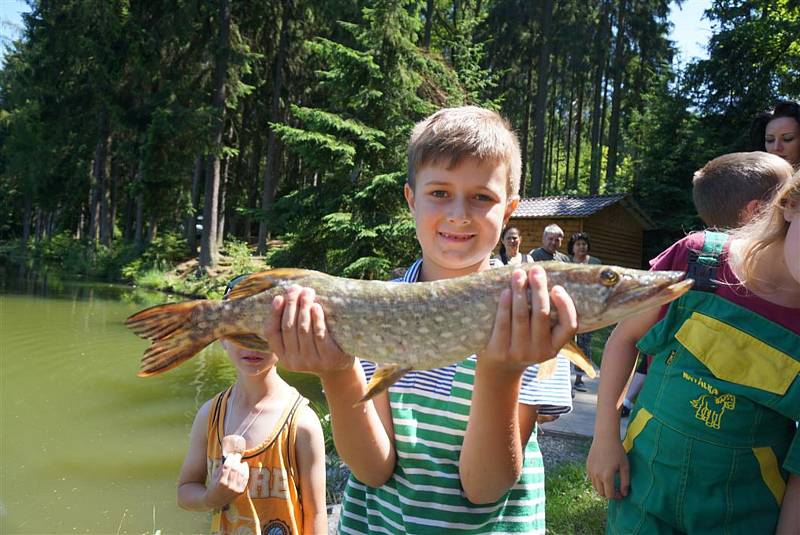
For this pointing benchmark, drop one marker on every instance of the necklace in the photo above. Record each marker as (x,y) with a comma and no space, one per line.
(251,417)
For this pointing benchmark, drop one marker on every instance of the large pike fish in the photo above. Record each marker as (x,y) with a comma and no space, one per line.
(400,326)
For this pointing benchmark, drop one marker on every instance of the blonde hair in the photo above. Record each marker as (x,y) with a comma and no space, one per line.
(724,186)
(452,134)
(766,229)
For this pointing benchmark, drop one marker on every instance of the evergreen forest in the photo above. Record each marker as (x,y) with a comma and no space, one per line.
(138,134)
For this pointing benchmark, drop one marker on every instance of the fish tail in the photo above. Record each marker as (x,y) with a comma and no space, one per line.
(175,337)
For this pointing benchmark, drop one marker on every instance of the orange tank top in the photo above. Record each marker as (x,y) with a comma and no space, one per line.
(271,504)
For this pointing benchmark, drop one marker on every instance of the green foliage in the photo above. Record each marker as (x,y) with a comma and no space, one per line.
(162,253)
(572,504)
(240,257)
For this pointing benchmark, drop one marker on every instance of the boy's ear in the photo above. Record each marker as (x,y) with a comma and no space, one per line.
(749,211)
(511,205)
(408,193)
(791,211)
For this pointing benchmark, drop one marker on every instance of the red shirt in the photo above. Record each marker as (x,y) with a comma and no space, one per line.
(729,287)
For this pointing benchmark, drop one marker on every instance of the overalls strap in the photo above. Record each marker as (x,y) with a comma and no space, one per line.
(703,264)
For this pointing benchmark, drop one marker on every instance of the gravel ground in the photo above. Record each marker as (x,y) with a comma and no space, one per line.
(558,448)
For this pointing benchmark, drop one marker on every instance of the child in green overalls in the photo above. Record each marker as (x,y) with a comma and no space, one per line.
(712,445)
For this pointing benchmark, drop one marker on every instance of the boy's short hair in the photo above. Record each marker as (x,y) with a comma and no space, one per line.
(453,134)
(724,186)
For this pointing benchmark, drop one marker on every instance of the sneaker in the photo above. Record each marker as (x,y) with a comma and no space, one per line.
(579,386)
(625,412)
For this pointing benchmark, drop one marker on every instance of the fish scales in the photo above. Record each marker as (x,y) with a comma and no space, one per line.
(410,326)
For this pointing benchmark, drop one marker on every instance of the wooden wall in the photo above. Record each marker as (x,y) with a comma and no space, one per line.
(616,235)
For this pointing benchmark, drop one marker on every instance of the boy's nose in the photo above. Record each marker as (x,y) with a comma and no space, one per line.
(459,214)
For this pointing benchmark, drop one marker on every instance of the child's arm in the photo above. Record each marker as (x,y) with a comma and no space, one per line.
(310,450)
(363,434)
(493,451)
(789,522)
(607,456)
(227,481)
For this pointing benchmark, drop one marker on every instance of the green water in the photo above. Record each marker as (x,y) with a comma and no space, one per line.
(85,445)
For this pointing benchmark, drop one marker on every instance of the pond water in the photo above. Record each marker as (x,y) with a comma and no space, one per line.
(87,446)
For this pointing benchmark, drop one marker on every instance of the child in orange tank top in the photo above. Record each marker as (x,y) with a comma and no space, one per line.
(276,484)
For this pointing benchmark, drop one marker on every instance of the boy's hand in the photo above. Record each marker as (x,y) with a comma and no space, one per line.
(606,459)
(227,481)
(297,333)
(522,334)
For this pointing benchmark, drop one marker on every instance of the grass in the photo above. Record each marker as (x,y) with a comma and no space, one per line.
(573,507)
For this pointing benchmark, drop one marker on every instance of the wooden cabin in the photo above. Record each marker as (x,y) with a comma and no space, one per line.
(615,224)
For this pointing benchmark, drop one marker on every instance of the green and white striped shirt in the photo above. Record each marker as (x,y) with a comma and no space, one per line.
(430,409)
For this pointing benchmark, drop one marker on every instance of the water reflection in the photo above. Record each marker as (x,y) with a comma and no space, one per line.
(87,445)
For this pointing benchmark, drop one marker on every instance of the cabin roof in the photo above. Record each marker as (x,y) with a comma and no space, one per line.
(578,206)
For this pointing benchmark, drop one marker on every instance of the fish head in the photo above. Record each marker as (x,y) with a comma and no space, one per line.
(604,295)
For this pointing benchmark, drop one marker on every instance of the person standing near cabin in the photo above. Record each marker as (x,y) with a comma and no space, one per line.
(551,241)
(552,237)
(578,248)
(509,253)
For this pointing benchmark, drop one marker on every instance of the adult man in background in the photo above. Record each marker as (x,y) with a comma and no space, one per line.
(551,241)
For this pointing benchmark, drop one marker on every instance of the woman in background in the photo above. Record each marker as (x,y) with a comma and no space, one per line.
(509,248)
(778,132)
(578,248)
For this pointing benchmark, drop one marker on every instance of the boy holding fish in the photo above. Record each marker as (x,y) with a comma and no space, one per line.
(452,448)
(256,453)
(451,445)
(712,444)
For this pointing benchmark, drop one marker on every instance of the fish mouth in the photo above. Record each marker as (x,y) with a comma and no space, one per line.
(640,293)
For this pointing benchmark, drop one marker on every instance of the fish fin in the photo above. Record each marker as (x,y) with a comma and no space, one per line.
(249,341)
(264,280)
(174,337)
(578,358)
(161,321)
(167,353)
(382,379)
(546,370)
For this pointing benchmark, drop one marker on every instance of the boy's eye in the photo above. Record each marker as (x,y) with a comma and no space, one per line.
(482,197)
(439,194)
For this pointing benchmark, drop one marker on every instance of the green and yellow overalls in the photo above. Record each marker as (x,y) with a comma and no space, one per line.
(713,437)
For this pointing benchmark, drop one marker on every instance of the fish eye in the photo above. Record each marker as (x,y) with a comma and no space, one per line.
(609,277)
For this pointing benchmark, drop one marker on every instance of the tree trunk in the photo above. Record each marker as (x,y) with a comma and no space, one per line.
(568,143)
(537,167)
(152,229)
(426,43)
(600,63)
(578,132)
(98,179)
(616,100)
(208,245)
(223,193)
(26,218)
(113,199)
(270,184)
(198,176)
(138,226)
(526,123)
(106,225)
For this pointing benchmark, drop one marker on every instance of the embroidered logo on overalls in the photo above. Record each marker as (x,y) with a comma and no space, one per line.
(710,409)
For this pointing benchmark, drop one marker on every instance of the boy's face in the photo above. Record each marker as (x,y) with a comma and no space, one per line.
(459,213)
(247,361)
